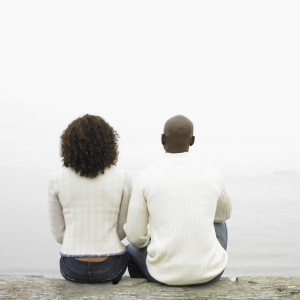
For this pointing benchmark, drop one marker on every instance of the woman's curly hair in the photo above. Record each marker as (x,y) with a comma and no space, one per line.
(89,145)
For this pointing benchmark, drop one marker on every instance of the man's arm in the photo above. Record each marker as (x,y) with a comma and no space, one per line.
(56,217)
(223,210)
(138,217)
(124,206)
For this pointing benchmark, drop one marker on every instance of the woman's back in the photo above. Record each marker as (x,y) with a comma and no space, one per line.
(91,210)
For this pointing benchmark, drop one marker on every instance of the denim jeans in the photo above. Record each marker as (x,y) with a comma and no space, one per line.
(111,269)
(137,266)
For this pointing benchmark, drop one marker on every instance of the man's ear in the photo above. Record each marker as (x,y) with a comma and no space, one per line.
(192,141)
(163,139)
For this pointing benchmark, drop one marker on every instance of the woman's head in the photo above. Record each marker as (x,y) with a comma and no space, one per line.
(89,145)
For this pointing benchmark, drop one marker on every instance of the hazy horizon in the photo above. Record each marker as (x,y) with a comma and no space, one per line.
(232,67)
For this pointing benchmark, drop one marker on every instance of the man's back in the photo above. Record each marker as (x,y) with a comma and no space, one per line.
(181,197)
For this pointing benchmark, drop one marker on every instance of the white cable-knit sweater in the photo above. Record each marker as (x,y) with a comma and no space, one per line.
(181,198)
(87,214)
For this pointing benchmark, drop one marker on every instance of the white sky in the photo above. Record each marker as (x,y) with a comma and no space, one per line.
(232,67)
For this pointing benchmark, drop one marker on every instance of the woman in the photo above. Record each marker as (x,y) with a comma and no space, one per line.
(88,203)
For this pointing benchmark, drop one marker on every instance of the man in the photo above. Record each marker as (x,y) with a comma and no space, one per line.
(186,203)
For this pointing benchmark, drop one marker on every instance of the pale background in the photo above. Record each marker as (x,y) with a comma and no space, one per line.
(232,67)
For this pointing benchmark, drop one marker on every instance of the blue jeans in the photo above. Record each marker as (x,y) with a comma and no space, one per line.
(111,269)
(137,266)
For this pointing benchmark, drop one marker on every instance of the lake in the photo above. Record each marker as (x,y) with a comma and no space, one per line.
(263,230)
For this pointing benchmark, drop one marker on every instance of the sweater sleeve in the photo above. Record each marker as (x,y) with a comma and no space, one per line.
(138,217)
(124,206)
(55,212)
(223,210)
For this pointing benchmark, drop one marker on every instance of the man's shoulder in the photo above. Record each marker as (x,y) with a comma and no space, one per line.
(206,165)
(194,161)
(189,161)
(209,169)
(149,170)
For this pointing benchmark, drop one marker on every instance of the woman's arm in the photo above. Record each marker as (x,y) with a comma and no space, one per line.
(124,206)
(56,217)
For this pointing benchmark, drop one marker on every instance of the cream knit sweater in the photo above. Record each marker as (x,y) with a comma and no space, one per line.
(181,198)
(87,215)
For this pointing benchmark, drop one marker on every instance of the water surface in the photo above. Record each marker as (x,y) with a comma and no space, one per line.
(263,230)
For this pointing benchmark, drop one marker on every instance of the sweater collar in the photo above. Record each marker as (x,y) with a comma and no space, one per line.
(167,154)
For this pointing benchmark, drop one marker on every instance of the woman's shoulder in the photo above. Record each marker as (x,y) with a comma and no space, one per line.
(119,172)
(112,171)
(59,172)
(116,170)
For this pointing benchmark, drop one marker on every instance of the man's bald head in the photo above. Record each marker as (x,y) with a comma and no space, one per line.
(178,134)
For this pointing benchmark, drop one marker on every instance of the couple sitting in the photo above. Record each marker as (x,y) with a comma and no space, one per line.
(92,209)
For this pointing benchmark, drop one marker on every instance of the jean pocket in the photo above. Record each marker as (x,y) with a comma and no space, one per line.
(71,270)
